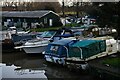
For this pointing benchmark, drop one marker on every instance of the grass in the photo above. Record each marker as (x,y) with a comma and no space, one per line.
(114,62)
(49,28)
(73,25)
(44,29)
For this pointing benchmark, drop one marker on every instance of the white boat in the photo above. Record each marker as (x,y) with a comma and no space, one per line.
(13,72)
(39,45)
(35,46)
(14,30)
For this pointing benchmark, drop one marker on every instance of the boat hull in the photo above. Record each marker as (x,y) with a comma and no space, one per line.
(38,49)
(56,60)
(7,45)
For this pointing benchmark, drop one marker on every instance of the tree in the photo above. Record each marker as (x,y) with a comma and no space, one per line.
(106,13)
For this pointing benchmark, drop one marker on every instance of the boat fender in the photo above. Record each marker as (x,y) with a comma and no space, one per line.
(59,61)
(84,66)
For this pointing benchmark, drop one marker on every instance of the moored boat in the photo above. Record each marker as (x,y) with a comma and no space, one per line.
(34,46)
(41,42)
(6,43)
(80,54)
(77,53)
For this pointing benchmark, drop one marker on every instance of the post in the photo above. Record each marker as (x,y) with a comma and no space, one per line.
(63,10)
(77,11)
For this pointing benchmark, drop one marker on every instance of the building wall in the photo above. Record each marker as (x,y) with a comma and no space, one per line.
(49,20)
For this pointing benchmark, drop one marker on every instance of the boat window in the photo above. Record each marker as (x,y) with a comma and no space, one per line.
(19,29)
(54,49)
(48,33)
(67,33)
(74,52)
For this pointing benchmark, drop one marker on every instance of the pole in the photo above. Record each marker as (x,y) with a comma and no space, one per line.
(77,11)
(63,9)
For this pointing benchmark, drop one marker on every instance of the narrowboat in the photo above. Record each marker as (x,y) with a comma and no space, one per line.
(56,52)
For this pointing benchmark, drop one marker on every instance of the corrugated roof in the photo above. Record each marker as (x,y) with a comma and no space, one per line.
(27,14)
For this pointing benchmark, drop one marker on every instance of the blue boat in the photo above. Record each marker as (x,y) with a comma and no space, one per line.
(57,34)
(74,53)
(57,52)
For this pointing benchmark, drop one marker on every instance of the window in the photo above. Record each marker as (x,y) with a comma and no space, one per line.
(54,49)
(67,33)
(48,34)
(45,20)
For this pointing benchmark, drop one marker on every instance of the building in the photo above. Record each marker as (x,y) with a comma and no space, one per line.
(43,18)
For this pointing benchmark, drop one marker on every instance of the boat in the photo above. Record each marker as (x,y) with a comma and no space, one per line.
(17,35)
(84,51)
(16,72)
(56,52)
(77,53)
(80,52)
(14,30)
(39,44)
(9,39)
(20,39)
(6,43)
(34,46)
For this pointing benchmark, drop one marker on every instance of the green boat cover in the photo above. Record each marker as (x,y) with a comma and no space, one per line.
(88,47)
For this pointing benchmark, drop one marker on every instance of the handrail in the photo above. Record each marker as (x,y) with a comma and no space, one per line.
(67,50)
(78,48)
(81,52)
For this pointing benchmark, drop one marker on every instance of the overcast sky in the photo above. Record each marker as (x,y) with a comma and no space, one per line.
(66,1)
(62,0)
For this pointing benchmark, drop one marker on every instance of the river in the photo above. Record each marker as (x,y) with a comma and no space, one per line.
(19,65)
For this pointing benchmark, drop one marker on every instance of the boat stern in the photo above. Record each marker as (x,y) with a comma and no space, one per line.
(54,59)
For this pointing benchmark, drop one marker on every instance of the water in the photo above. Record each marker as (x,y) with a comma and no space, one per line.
(20,65)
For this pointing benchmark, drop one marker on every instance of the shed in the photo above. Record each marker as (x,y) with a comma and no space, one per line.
(43,18)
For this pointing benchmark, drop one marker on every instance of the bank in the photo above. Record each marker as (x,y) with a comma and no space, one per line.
(106,67)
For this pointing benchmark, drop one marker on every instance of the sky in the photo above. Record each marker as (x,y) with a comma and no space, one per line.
(61,0)
(66,1)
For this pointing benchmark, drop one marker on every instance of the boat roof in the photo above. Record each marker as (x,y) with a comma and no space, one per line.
(62,42)
(84,43)
(27,14)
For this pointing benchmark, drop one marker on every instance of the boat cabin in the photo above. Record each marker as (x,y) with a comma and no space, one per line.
(57,51)
(54,35)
